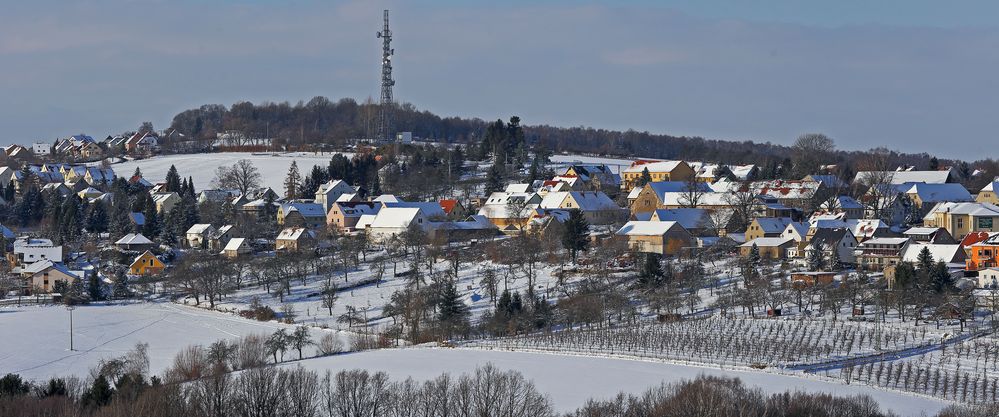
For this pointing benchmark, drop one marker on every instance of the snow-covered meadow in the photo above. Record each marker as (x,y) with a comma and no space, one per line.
(34,341)
(272,165)
(571,380)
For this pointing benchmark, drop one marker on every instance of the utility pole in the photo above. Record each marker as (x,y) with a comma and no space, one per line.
(386,103)
(70,308)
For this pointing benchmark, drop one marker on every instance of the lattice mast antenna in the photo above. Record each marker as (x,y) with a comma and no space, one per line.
(386,103)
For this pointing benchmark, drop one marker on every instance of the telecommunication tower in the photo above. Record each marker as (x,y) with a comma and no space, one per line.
(386,103)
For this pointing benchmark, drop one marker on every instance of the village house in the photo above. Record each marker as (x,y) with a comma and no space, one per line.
(811,278)
(295,239)
(394,221)
(331,191)
(594,177)
(926,195)
(697,221)
(798,194)
(509,210)
(142,143)
(134,242)
(453,209)
(198,234)
(30,250)
(43,276)
(344,216)
(829,181)
(301,214)
(215,195)
(937,235)
(663,238)
(880,252)
(472,227)
(900,177)
(220,237)
(597,207)
(846,205)
(658,171)
(988,278)
(165,201)
(833,243)
(773,248)
(959,219)
(146,264)
(236,247)
(983,254)
(988,194)
(654,195)
(948,253)
(767,227)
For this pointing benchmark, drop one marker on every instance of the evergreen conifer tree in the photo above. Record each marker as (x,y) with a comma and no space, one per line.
(575,235)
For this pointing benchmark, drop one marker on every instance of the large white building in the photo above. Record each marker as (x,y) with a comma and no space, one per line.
(28,251)
(41,148)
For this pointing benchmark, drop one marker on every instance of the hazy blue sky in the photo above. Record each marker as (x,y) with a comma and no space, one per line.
(912,75)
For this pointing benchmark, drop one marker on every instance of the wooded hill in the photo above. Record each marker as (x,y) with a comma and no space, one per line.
(321,120)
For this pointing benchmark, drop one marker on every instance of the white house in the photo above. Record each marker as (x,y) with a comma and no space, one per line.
(328,193)
(41,148)
(29,250)
(393,221)
(198,234)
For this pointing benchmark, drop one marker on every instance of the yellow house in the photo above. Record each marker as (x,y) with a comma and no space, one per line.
(767,227)
(988,194)
(146,264)
(664,238)
(658,171)
(959,219)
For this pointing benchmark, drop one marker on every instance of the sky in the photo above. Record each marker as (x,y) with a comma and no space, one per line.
(913,75)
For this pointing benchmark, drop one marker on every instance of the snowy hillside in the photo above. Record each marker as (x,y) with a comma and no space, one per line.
(34,341)
(272,166)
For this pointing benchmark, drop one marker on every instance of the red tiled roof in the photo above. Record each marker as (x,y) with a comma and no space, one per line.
(448,205)
(973,238)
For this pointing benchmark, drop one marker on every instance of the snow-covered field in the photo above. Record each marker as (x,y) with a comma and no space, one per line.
(272,165)
(571,380)
(34,341)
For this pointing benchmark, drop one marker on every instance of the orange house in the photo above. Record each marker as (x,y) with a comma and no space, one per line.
(146,264)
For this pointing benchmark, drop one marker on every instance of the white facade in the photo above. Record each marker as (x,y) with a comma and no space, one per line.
(41,148)
(29,251)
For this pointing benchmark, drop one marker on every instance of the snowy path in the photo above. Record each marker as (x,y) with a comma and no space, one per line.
(885,356)
(571,380)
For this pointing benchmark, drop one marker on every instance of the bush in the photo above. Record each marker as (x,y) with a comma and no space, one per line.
(329,344)
(259,313)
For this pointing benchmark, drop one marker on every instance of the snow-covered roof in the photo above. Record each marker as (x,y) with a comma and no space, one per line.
(234,243)
(395,217)
(843,202)
(966,208)
(133,239)
(796,229)
(633,194)
(346,197)
(886,241)
(705,199)
(294,233)
(990,186)
(940,252)
(650,228)
(689,218)
(358,208)
(932,193)
(160,197)
(919,231)
(773,224)
(830,181)
(518,188)
(902,177)
(335,185)
(652,166)
(767,241)
(785,188)
(199,228)
(306,209)
(384,198)
(365,221)
(429,208)
(587,200)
